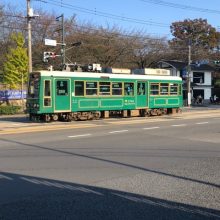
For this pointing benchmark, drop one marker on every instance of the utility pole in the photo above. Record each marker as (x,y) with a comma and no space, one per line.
(63,52)
(188,75)
(29,16)
(63,42)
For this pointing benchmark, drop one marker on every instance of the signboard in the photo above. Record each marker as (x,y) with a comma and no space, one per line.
(12,94)
(50,42)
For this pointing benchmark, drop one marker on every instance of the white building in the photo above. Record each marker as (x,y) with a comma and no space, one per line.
(200,76)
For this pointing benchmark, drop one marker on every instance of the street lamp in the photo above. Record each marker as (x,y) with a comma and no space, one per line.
(30,15)
(76,44)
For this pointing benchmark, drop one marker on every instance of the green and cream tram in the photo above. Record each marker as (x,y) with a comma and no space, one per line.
(58,95)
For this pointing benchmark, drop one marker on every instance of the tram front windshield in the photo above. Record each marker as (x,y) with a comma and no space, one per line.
(33,89)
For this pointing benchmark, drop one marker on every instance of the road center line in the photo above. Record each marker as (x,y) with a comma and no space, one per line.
(80,135)
(112,132)
(179,125)
(216,118)
(202,123)
(150,128)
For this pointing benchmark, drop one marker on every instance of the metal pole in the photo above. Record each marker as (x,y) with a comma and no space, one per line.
(63,42)
(29,37)
(22,87)
(188,76)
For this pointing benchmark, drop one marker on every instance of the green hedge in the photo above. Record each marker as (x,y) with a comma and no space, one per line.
(9,110)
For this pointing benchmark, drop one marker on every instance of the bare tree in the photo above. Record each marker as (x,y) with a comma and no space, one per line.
(149,50)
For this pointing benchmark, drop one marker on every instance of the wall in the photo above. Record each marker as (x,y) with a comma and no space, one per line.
(203,86)
(208,78)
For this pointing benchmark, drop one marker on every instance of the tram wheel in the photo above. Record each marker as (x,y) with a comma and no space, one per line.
(69,117)
(47,118)
(55,117)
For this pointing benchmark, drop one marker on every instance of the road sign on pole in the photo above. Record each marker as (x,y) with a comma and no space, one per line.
(50,42)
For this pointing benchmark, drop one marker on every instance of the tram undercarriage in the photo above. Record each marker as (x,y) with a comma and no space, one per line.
(95,115)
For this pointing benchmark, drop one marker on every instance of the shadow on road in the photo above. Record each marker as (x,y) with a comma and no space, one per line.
(115,163)
(28,197)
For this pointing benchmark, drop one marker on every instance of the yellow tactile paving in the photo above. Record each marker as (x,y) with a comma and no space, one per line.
(19,130)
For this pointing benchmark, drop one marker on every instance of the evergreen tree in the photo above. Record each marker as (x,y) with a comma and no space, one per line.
(203,38)
(16,67)
(198,31)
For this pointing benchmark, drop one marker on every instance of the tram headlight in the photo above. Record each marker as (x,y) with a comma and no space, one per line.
(36,105)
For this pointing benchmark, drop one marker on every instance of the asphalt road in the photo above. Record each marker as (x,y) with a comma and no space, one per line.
(160,168)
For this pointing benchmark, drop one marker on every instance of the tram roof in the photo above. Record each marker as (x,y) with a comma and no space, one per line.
(107,75)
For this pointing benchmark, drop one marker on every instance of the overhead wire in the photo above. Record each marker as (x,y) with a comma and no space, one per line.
(158,2)
(104,14)
(13,16)
(64,4)
(88,28)
(95,12)
(181,6)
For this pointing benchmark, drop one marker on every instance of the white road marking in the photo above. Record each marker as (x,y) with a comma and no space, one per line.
(202,123)
(121,131)
(179,125)
(138,121)
(5,177)
(79,135)
(150,128)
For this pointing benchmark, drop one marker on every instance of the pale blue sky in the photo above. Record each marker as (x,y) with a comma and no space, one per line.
(144,15)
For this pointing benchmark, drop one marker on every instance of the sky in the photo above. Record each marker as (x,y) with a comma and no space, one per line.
(152,17)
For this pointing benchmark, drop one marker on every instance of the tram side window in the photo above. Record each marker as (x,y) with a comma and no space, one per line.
(91,88)
(104,88)
(116,88)
(173,89)
(164,89)
(129,89)
(154,88)
(141,89)
(47,93)
(47,88)
(62,88)
(79,88)
(180,89)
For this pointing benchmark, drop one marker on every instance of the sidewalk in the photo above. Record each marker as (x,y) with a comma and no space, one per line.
(25,117)
(203,107)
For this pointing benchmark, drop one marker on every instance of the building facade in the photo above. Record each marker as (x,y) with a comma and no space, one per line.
(200,77)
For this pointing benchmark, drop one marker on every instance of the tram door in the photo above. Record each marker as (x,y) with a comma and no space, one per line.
(141,94)
(62,95)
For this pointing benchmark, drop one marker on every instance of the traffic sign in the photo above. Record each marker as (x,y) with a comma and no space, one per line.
(50,42)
